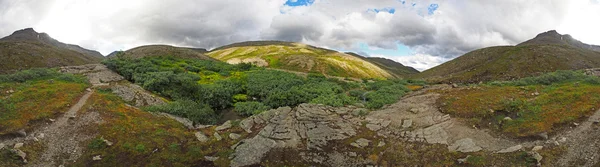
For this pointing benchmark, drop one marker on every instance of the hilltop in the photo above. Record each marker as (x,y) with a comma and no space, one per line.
(547,52)
(27,48)
(162,50)
(301,58)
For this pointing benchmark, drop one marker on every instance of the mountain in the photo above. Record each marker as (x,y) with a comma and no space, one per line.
(162,50)
(27,48)
(299,57)
(547,52)
(395,68)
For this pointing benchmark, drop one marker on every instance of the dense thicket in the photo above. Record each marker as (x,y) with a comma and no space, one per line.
(201,89)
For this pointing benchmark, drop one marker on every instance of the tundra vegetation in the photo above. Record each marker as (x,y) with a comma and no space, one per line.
(534,104)
(202,89)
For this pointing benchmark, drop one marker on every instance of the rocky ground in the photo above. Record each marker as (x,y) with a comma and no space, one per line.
(311,134)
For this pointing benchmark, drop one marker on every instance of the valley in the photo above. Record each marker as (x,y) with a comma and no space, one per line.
(274,103)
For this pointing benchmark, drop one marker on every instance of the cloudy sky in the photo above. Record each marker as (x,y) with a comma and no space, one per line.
(421,34)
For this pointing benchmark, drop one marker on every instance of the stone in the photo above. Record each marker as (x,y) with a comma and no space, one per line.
(251,151)
(186,122)
(97,158)
(463,160)
(406,123)
(360,143)
(511,149)
(51,120)
(18,145)
(234,136)
(562,140)
(217,136)
(537,157)
(22,133)
(2,145)
(41,136)
(373,127)
(596,122)
(108,143)
(575,123)
(464,145)
(507,119)
(414,110)
(381,144)
(247,124)
(51,81)
(454,85)
(210,158)
(200,126)
(537,148)
(225,126)
(201,137)
(88,89)
(543,135)
(352,154)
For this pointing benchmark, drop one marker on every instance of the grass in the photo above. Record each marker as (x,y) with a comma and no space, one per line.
(143,139)
(511,62)
(35,100)
(556,104)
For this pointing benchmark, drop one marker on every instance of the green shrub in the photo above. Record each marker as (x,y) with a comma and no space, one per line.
(197,112)
(250,108)
(334,100)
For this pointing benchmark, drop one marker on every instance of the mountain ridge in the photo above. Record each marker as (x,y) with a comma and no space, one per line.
(547,52)
(26,48)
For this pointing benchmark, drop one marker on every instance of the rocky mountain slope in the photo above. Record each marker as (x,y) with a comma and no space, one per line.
(162,50)
(27,48)
(398,70)
(299,57)
(547,52)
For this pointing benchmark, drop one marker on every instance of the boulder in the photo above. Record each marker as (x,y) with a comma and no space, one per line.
(251,151)
(381,143)
(360,143)
(201,137)
(463,160)
(18,145)
(247,125)
(406,123)
(217,136)
(210,158)
(97,158)
(464,145)
(234,136)
(225,126)
(543,135)
(2,145)
(537,148)
(22,133)
(20,153)
(511,149)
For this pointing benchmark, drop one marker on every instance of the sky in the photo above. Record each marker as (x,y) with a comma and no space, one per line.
(421,34)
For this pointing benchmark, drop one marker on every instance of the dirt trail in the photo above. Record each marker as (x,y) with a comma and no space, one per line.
(62,137)
(583,143)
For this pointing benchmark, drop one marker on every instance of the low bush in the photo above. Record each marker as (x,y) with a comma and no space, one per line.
(250,108)
(197,112)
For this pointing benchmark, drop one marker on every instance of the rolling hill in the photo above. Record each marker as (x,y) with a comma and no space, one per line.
(27,48)
(304,58)
(162,50)
(547,52)
(398,70)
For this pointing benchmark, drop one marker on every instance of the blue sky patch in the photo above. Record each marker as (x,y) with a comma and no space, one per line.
(299,2)
(388,10)
(432,8)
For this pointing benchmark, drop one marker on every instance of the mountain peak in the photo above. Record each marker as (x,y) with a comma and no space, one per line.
(553,37)
(23,34)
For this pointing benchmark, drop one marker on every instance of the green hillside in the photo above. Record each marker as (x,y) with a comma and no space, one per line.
(298,57)
(162,50)
(393,67)
(512,62)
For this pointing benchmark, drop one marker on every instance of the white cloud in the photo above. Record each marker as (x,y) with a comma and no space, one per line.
(454,28)
(420,62)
